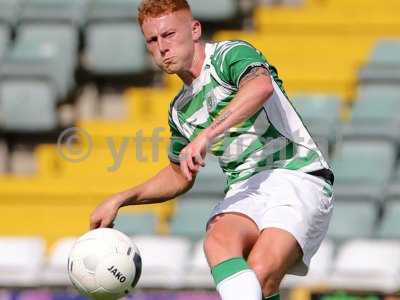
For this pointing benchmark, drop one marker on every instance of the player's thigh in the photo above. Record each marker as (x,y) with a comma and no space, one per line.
(229,235)
(274,253)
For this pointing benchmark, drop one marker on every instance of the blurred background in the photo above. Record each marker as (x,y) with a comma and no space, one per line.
(83,115)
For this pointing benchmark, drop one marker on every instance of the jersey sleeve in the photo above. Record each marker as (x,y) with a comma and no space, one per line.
(177,142)
(235,58)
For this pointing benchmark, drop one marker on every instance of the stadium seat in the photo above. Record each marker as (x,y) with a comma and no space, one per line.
(55,272)
(356,165)
(393,190)
(191,217)
(321,115)
(314,21)
(378,91)
(3,155)
(135,223)
(31,60)
(384,63)
(352,219)
(198,272)
(115,49)
(389,227)
(112,10)
(4,39)
(64,35)
(292,54)
(59,11)
(364,264)
(28,105)
(63,39)
(206,10)
(355,4)
(164,259)
(209,181)
(21,261)
(374,114)
(386,52)
(9,11)
(21,161)
(320,268)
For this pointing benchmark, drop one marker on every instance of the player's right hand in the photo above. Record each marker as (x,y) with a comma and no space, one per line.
(105,213)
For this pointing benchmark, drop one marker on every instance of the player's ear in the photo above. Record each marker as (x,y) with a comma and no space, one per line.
(196,30)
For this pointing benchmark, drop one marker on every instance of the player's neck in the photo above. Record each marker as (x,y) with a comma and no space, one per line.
(195,69)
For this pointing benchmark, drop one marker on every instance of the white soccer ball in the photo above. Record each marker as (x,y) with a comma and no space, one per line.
(104,264)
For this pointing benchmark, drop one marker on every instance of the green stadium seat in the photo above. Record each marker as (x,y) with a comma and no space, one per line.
(115,49)
(191,218)
(61,11)
(44,51)
(63,38)
(389,227)
(393,190)
(384,63)
(210,181)
(378,91)
(4,156)
(363,168)
(61,34)
(4,39)
(320,113)
(386,52)
(374,115)
(30,60)
(28,105)
(9,11)
(207,10)
(112,10)
(352,219)
(135,223)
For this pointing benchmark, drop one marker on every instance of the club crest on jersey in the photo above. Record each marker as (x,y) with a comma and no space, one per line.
(211,101)
(117,274)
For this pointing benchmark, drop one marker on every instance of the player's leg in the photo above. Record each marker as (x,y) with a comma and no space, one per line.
(229,239)
(274,253)
(293,225)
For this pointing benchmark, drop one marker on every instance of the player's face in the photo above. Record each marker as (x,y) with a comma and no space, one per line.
(170,40)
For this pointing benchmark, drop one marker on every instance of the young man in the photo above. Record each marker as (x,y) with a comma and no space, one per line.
(278,199)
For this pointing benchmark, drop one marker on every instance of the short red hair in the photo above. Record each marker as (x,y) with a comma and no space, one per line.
(157,8)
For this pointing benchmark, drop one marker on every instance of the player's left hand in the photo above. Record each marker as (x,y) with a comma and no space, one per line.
(193,155)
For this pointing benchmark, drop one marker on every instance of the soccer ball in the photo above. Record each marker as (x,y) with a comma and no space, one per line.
(104,264)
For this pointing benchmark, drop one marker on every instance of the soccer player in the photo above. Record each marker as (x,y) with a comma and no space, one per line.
(278,199)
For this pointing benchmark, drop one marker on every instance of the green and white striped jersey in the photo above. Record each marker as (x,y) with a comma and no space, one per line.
(274,137)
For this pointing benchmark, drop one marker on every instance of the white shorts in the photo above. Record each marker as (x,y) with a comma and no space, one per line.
(290,200)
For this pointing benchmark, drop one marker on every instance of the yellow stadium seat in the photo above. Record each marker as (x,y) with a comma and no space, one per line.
(309,63)
(54,208)
(359,4)
(329,21)
(173,82)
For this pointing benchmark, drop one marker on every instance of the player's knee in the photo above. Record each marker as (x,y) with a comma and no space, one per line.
(269,272)
(216,241)
(219,247)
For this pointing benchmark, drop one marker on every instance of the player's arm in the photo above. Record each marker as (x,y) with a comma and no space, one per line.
(167,184)
(255,87)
